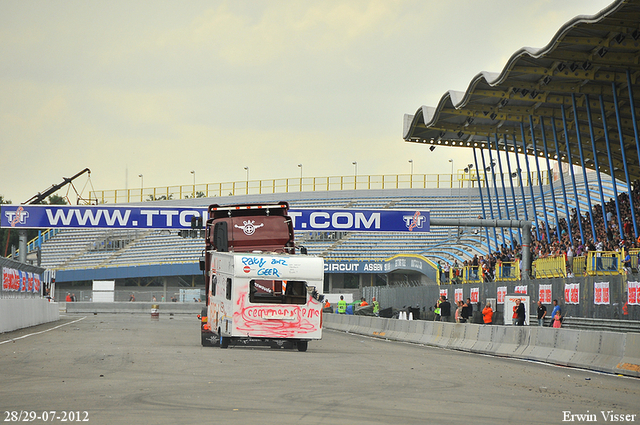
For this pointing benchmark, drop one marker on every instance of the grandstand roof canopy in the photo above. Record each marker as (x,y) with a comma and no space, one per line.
(587,67)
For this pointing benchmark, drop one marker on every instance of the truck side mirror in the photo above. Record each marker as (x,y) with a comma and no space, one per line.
(220,236)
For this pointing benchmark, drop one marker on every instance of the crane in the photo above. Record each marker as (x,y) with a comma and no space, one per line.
(39,197)
(36,199)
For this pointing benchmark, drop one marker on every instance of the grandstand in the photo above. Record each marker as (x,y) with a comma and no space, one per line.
(92,249)
(571,102)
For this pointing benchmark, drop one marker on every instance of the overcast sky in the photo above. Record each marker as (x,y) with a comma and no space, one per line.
(161,88)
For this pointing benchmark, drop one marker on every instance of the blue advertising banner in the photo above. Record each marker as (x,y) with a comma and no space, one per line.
(102,217)
(401,262)
(112,217)
(361,220)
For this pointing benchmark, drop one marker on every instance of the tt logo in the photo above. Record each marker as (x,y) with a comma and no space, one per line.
(18,217)
(415,221)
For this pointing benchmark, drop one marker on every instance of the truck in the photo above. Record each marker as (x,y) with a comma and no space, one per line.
(260,288)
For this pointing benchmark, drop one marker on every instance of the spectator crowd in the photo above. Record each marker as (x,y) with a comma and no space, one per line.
(608,237)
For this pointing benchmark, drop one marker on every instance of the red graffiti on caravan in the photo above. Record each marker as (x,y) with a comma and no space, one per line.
(279,322)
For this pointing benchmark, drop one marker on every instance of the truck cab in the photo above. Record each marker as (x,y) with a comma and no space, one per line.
(259,291)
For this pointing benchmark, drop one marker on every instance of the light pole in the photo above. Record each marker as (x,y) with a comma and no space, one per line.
(451,189)
(355,174)
(470,184)
(247,186)
(141,185)
(411,174)
(300,166)
(468,170)
(194,182)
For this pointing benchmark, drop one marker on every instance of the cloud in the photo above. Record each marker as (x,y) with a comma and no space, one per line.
(275,31)
(166,87)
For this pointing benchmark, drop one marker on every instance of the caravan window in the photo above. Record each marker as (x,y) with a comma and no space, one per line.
(278,291)
(214,281)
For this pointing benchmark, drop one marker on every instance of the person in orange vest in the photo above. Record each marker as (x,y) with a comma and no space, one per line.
(487,314)
(327,304)
(363,302)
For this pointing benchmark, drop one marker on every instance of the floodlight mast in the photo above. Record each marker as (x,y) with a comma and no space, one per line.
(471,222)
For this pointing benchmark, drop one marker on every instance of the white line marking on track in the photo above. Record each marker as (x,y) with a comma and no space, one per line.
(41,332)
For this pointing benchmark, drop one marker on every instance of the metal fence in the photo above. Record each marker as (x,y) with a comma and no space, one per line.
(124,294)
(300,184)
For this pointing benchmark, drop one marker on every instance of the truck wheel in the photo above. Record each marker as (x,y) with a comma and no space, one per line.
(206,339)
(302,345)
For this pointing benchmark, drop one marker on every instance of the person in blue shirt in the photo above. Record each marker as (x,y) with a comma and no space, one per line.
(556,309)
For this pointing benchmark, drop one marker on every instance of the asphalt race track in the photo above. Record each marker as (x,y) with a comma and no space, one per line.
(129,369)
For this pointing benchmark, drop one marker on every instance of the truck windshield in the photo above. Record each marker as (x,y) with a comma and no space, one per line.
(278,291)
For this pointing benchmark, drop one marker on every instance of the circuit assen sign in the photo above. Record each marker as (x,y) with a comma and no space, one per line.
(413,263)
(111,217)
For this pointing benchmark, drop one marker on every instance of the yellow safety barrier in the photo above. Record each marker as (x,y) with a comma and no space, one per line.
(472,274)
(602,263)
(550,267)
(508,271)
(634,253)
(453,275)
(579,266)
(295,184)
(443,277)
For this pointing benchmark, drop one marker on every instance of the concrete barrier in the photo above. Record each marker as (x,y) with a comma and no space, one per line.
(380,327)
(428,337)
(595,350)
(468,339)
(443,334)
(18,313)
(510,341)
(565,347)
(599,348)
(397,329)
(416,330)
(484,341)
(630,362)
(542,342)
(338,321)
(133,307)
